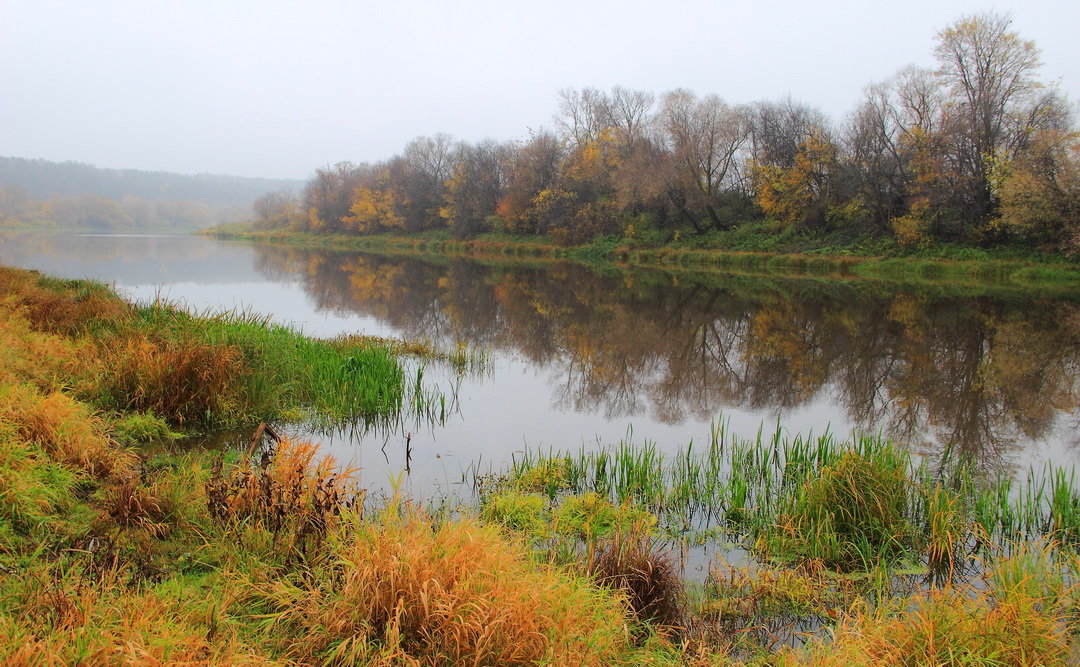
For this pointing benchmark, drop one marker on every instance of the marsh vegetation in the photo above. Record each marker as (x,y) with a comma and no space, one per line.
(124,539)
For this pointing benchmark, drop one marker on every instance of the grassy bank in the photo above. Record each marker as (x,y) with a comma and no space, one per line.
(122,543)
(751,250)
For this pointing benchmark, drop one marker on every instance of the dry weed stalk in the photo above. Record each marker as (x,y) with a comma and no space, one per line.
(286,491)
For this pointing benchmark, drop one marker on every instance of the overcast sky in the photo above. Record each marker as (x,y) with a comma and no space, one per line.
(277,88)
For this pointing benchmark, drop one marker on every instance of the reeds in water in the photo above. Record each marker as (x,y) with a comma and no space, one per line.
(858,504)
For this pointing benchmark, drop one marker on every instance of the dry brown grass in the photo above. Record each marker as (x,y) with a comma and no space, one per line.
(131,504)
(650,580)
(64,307)
(64,428)
(408,592)
(290,492)
(181,380)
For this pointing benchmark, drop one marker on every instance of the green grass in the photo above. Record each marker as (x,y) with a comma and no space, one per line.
(854,505)
(756,248)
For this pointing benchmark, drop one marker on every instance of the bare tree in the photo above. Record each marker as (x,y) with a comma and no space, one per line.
(705,136)
(629,113)
(275,208)
(583,115)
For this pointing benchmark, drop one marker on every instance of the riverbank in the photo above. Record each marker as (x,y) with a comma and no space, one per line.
(122,540)
(747,252)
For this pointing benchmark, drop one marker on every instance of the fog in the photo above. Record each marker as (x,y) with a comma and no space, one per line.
(277,88)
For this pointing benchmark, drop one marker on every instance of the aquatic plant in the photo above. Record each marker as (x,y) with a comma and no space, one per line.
(525,512)
(852,513)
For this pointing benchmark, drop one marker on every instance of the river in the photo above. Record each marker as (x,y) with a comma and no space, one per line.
(579,357)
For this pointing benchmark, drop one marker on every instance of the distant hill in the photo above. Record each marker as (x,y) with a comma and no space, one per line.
(39,194)
(42,179)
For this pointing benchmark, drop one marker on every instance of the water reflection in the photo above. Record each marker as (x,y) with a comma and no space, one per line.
(580,356)
(988,374)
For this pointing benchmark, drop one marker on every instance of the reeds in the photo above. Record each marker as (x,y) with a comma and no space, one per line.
(858,504)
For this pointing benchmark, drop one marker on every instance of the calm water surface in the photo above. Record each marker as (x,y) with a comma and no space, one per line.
(580,358)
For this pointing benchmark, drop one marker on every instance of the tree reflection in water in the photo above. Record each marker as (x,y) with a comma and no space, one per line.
(985,373)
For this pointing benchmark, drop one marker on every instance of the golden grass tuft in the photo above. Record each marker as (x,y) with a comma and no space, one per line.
(407,591)
(289,492)
(64,428)
(62,619)
(946,626)
(42,359)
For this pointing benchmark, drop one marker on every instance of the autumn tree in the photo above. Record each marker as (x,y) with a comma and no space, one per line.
(1039,191)
(989,70)
(474,188)
(328,197)
(706,137)
(275,209)
(795,163)
(530,169)
(376,204)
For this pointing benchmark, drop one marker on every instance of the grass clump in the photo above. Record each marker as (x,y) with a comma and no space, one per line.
(408,591)
(68,431)
(948,531)
(855,512)
(184,379)
(945,626)
(67,307)
(142,427)
(524,512)
(35,491)
(652,583)
(549,476)
(290,493)
(591,516)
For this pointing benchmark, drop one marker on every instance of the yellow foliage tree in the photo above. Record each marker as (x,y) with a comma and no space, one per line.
(374,210)
(1039,192)
(801,193)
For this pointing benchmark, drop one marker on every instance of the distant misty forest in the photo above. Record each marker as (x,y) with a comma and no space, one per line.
(39,193)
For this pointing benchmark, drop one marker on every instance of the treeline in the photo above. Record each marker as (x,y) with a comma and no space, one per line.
(19,210)
(42,179)
(977,151)
(39,193)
